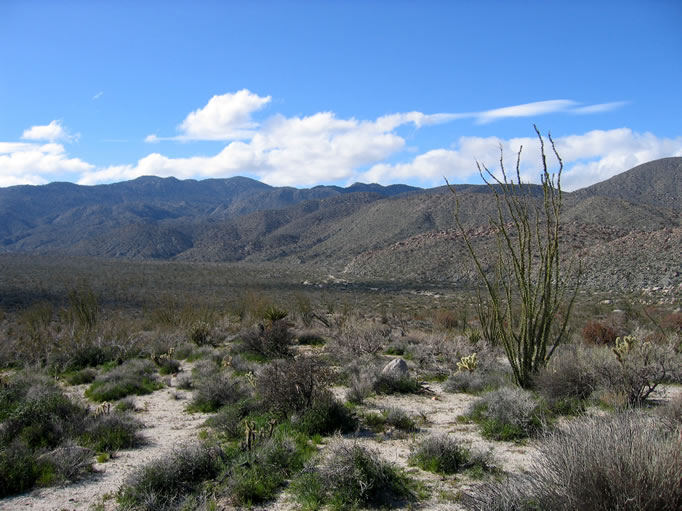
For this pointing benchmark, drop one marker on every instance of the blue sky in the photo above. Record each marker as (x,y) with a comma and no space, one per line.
(320,92)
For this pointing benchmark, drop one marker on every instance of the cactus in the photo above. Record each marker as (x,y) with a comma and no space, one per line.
(468,363)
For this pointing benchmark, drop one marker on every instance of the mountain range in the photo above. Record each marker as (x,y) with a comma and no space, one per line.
(626,231)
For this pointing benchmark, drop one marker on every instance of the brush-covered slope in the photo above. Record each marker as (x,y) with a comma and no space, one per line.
(658,183)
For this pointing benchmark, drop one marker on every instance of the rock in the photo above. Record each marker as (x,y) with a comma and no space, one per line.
(396,369)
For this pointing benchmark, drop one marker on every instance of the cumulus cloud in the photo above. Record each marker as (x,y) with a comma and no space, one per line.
(53,131)
(225,117)
(588,158)
(30,163)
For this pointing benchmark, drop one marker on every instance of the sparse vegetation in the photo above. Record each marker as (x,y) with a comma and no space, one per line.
(507,413)
(349,476)
(624,461)
(134,377)
(444,455)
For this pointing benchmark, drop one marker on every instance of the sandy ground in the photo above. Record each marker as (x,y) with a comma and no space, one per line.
(167,426)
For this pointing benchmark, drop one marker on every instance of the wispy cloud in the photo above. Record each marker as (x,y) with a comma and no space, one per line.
(98,95)
(602,107)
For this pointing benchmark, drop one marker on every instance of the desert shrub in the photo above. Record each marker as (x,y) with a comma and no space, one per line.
(164,483)
(271,341)
(361,378)
(624,461)
(672,322)
(508,413)
(399,419)
(641,367)
(595,332)
(112,432)
(446,319)
(438,353)
(442,454)
(184,351)
(311,339)
(292,385)
(356,340)
(69,462)
(228,421)
(573,373)
(258,474)
(185,382)
(127,404)
(386,384)
(21,468)
(133,377)
(671,412)
(473,382)
(241,365)
(37,425)
(325,416)
(168,366)
(40,415)
(200,333)
(215,390)
(81,377)
(350,476)
(399,347)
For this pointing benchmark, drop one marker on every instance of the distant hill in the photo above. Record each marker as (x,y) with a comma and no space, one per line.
(658,183)
(626,229)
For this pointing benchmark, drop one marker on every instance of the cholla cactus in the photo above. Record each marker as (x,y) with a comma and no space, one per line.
(200,332)
(627,344)
(468,363)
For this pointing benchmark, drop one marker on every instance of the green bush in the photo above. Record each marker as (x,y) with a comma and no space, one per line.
(508,413)
(326,416)
(37,425)
(81,377)
(350,476)
(200,333)
(216,390)
(109,433)
(271,341)
(440,454)
(258,474)
(399,419)
(390,385)
(134,377)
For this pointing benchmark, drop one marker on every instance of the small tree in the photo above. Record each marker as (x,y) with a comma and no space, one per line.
(527,269)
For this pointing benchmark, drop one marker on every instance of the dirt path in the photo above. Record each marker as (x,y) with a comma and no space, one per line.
(167,426)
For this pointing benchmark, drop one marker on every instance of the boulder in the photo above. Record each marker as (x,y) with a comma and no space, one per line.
(396,369)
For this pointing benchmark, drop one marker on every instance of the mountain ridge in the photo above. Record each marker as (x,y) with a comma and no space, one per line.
(367,230)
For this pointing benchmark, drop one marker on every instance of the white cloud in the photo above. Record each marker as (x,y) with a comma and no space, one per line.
(601,107)
(526,110)
(53,131)
(98,95)
(588,158)
(225,117)
(28,163)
